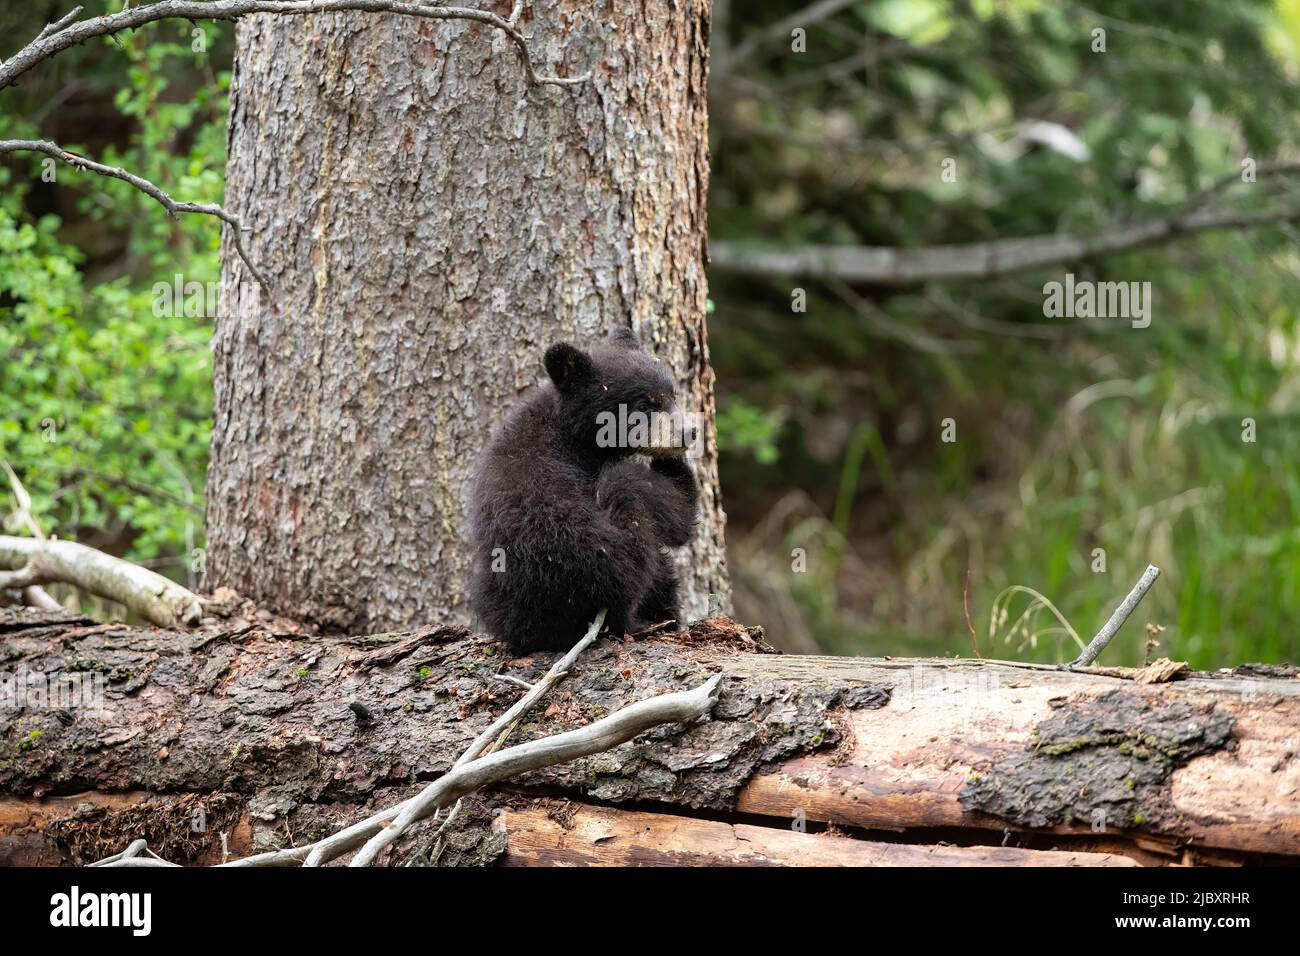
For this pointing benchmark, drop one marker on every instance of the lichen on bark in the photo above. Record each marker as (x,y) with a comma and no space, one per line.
(1100,760)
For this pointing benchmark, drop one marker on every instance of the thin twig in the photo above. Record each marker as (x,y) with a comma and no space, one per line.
(473,774)
(33,595)
(524,704)
(66,34)
(435,852)
(1227,181)
(1127,607)
(139,487)
(965,606)
(63,33)
(59,24)
(495,736)
(604,734)
(804,18)
(514,681)
(149,189)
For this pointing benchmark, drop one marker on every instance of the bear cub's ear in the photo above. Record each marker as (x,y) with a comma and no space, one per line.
(568,366)
(625,337)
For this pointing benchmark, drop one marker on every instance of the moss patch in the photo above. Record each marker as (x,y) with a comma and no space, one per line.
(1099,761)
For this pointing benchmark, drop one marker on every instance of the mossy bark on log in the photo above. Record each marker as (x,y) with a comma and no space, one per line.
(308,733)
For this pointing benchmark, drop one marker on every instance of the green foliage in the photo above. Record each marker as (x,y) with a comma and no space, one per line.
(745,427)
(1069,438)
(106,399)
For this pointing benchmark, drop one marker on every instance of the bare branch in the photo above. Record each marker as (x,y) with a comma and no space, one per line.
(521,707)
(135,861)
(594,738)
(1116,621)
(383,827)
(1223,183)
(37,597)
(508,679)
(889,265)
(491,739)
(139,487)
(28,575)
(805,18)
(149,189)
(135,848)
(155,598)
(33,595)
(63,33)
(66,34)
(504,726)
(59,24)
(886,325)
(1140,29)
(494,737)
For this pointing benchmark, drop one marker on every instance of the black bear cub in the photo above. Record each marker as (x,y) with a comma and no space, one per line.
(567,517)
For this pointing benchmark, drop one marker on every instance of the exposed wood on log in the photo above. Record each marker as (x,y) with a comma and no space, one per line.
(984,749)
(948,722)
(601,836)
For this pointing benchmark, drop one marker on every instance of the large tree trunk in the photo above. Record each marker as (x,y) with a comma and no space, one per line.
(273,737)
(428,224)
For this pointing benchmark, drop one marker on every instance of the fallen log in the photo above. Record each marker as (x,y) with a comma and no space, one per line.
(248,734)
(1204,768)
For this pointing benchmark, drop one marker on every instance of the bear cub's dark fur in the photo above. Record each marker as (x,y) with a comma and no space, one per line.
(562,526)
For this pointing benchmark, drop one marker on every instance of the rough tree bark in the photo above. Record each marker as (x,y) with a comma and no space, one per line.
(278,738)
(428,224)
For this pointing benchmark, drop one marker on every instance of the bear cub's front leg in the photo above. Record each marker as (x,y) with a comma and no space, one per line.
(665,494)
(661,602)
